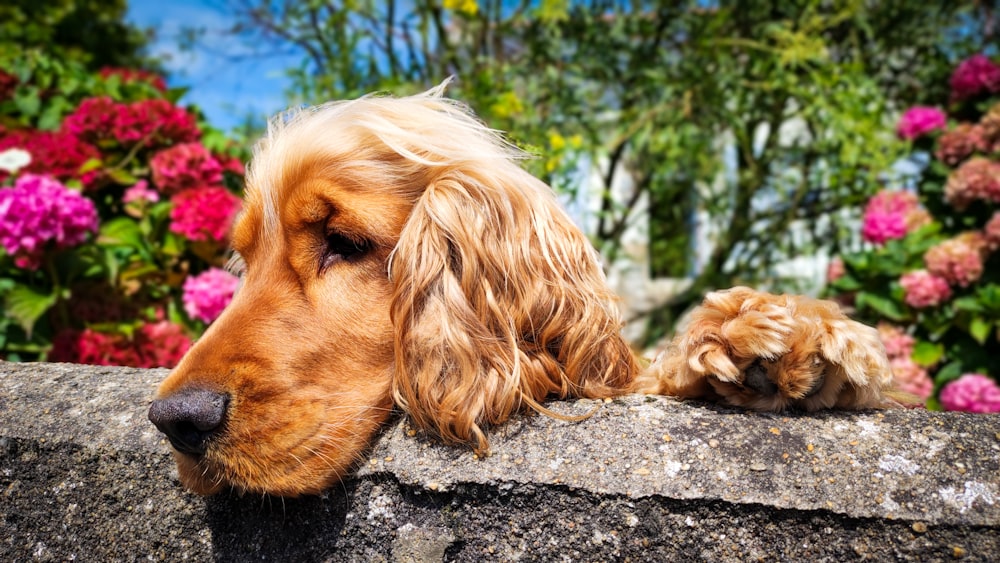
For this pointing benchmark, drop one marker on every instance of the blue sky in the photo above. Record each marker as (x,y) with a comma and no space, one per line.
(226,80)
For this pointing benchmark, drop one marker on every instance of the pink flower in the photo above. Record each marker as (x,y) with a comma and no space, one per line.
(991,232)
(897,343)
(879,227)
(972,392)
(38,214)
(204,213)
(835,270)
(924,289)
(974,76)
(958,260)
(185,166)
(155,122)
(976,179)
(140,192)
(207,294)
(919,121)
(910,377)
(891,215)
(959,143)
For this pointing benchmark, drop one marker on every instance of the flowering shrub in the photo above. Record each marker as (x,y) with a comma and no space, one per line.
(930,271)
(114,215)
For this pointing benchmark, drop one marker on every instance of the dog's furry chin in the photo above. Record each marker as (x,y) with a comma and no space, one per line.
(396,256)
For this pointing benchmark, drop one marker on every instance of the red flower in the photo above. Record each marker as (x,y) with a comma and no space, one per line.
(204,213)
(156,122)
(59,154)
(93,120)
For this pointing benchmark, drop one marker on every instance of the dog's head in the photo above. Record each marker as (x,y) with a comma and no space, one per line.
(392,253)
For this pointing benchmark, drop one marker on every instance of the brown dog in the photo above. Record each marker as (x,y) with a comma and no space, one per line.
(393,254)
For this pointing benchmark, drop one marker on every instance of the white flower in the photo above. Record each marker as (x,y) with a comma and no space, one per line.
(12,160)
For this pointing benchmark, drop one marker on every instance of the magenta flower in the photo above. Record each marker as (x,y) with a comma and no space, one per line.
(924,289)
(919,121)
(140,192)
(891,215)
(974,76)
(958,260)
(185,166)
(37,214)
(973,392)
(207,294)
(204,213)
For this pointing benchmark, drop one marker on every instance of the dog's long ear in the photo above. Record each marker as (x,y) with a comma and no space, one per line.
(499,303)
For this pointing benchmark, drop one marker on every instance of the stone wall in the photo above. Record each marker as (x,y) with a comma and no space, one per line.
(84,475)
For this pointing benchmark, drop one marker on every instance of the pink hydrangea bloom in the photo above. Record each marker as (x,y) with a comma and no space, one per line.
(204,213)
(208,293)
(919,121)
(909,377)
(155,122)
(185,166)
(976,179)
(958,260)
(140,192)
(879,226)
(924,289)
(959,143)
(974,76)
(991,232)
(39,213)
(897,343)
(892,214)
(973,392)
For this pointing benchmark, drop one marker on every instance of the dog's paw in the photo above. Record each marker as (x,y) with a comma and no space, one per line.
(770,352)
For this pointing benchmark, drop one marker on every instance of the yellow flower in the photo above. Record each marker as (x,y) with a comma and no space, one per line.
(557,141)
(507,105)
(467,7)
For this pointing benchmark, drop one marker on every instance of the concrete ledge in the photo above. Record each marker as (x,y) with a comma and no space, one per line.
(84,476)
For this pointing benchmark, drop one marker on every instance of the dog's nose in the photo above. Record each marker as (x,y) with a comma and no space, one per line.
(189,418)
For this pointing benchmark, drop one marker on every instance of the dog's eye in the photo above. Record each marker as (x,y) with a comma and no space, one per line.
(341,248)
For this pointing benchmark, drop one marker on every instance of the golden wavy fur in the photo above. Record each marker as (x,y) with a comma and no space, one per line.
(395,255)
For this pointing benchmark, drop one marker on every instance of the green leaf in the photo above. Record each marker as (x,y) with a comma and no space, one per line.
(927,354)
(121,177)
(953,370)
(26,306)
(884,306)
(979,329)
(121,231)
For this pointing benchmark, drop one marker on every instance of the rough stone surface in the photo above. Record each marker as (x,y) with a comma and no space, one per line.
(84,475)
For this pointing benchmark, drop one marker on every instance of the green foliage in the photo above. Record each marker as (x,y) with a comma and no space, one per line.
(91,32)
(765,116)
